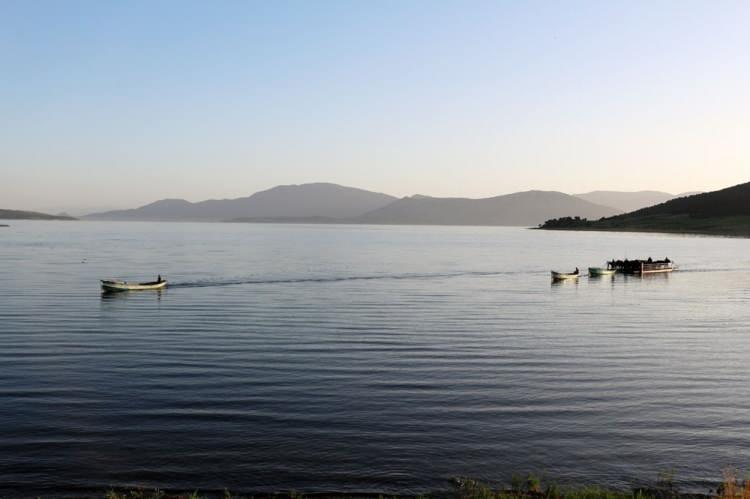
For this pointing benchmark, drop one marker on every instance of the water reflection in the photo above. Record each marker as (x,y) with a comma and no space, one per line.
(114,296)
(656,276)
(564,282)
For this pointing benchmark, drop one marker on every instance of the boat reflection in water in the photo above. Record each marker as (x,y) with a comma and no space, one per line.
(556,283)
(114,296)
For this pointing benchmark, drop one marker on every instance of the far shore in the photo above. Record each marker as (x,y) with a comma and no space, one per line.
(727,226)
(647,230)
(740,231)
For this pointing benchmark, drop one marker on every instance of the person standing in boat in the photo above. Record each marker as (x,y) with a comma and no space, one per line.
(577,271)
(158,279)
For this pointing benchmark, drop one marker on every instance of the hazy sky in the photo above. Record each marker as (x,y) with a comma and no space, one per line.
(116,104)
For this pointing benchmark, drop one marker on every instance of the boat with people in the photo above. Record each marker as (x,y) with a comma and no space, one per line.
(118,285)
(561,276)
(642,267)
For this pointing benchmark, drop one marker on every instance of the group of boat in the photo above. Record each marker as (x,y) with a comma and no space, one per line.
(631,267)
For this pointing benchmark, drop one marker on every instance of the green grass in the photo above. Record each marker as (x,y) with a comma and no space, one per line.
(529,486)
(533,487)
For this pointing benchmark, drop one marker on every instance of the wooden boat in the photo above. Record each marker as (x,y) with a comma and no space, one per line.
(642,267)
(656,267)
(600,272)
(559,276)
(115,285)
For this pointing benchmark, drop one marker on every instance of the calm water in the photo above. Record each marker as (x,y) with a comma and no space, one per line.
(365,358)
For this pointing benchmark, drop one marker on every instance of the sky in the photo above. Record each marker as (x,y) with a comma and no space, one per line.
(118,104)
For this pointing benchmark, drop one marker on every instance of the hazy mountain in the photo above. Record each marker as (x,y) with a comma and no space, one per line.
(306,200)
(30,215)
(627,201)
(522,208)
(720,212)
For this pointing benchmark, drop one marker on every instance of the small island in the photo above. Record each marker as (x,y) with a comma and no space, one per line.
(30,215)
(721,213)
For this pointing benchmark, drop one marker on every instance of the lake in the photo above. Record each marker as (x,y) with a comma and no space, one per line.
(365,358)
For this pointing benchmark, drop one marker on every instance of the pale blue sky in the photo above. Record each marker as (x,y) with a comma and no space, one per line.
(116,104)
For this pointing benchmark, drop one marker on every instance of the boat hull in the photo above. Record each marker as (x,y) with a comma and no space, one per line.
(561,276)
(600,272)
(132,286)
(657,267)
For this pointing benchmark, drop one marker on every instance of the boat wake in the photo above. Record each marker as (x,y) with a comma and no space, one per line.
(331,279)
(683,271)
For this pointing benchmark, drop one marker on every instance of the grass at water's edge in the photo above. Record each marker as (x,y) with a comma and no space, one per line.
(732,486)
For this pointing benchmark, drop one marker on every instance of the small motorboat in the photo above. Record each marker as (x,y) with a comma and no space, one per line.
(560,276)
(116,285)
(601,272)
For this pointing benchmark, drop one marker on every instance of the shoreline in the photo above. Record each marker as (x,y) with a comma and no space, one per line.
(643,230)
(723,226)
(529,486)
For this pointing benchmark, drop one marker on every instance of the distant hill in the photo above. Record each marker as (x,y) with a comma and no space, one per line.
(626,201)
(294,201)
(289,220)
(30,215)
(720,212)
(520,209)
(732,201)
(630,201)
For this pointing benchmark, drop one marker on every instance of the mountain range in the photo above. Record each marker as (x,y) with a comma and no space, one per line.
(331,203)
(726,211)
(521,208)
(307,200)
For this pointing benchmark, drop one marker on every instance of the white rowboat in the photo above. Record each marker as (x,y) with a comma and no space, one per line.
(559,276)
(114,285)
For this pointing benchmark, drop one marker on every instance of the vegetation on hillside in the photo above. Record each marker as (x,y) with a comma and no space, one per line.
(530,486)
(724,212)
(729,202)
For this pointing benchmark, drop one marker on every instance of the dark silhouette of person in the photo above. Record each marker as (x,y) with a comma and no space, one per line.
(158,279)
(577,271)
